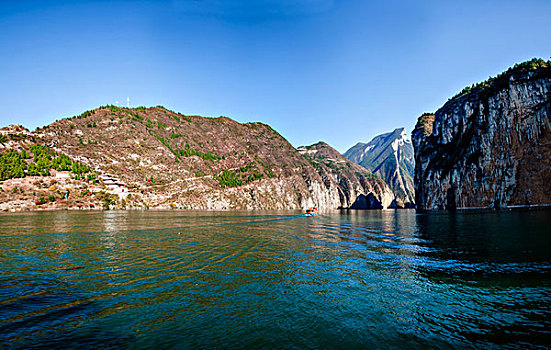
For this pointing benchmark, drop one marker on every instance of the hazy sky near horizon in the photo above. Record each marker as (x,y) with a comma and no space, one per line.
(331,70)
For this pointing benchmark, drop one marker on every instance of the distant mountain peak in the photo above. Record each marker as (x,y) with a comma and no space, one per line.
(389,155)
(401,131)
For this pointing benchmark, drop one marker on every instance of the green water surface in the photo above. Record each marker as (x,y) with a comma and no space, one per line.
(347,280)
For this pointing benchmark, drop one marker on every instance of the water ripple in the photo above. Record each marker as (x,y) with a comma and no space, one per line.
(236,280)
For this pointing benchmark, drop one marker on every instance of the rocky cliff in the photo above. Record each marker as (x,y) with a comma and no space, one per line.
(489,146)
(156,158)
(347,183)
(390,156)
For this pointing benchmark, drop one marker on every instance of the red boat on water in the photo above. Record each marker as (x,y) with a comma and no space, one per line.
(312,211)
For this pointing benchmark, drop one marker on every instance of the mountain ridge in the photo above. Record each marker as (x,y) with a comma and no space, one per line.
(163,159)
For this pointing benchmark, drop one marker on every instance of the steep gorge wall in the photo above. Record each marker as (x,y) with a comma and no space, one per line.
(489,147)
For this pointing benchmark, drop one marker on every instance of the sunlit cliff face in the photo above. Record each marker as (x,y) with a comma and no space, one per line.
(488,148)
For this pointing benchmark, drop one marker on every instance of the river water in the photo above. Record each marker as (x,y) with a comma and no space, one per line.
(349,279)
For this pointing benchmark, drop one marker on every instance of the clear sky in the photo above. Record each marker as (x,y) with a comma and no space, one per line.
(331,70)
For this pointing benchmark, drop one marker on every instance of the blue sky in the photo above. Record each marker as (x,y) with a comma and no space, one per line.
(331,70)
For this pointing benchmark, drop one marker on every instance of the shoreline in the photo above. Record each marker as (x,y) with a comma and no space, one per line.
(436,211)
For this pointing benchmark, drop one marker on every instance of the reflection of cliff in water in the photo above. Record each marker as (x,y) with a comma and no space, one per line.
(477,245)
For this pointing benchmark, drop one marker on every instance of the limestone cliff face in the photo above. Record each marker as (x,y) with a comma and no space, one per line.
(345,183)
(490,146)
(390,156)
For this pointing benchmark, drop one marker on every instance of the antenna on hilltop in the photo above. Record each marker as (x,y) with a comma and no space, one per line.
(127,101)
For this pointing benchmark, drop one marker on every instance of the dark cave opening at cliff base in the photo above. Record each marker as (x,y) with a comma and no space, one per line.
(450,199)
